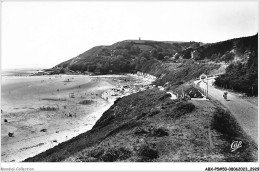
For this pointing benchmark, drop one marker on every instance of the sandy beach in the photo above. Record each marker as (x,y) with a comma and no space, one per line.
(43,111)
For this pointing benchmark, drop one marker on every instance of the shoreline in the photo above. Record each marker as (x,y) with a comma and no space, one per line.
(52,139)
(25,148)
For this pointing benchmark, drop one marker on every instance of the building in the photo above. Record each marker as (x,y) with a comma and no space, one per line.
(194,54)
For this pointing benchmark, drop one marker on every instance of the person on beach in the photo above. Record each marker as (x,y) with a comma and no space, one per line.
(11,134)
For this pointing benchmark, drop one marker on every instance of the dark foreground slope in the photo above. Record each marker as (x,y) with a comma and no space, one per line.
(149,126)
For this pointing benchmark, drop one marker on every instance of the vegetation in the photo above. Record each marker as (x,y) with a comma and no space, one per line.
(223,51)
(122,57)
(241,77)
(224,122)
(171,61)
(178,74)
(150,127)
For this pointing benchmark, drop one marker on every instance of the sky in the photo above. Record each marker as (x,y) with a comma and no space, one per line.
(43,34)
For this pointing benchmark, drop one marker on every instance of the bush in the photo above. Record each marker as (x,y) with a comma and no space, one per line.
(165,96)
(147,153)
(140,131)
(182,108)
(160,132)
(114,154)
(153,112)
(160,56)
(241,77)
(225,123)
(96,153)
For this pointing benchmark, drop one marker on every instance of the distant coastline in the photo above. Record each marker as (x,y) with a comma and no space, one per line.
(20,71)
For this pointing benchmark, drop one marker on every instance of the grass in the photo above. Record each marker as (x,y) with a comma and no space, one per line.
(184,73)
(225,123)
(147,153)
(109,155)
(150,127)
(183,108)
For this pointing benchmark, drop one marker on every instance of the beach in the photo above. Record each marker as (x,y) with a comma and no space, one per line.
(43,111)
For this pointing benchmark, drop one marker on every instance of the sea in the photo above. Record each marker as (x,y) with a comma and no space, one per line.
(20,72)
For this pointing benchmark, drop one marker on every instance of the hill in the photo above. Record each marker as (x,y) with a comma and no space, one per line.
(234,49)
(164,58)
(149,126)
(121,57)
(241,55)
(124,56)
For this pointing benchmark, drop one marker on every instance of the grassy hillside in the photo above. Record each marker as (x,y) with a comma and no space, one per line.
(184,72)
(241,55)
(229,50)
(149,126)
(174,62)
(241,76)
(122,57)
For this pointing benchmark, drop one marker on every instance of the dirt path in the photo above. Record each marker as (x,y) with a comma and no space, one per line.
(244,111)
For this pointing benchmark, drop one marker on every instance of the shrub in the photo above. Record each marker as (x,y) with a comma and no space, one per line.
(182,108)
(153,112)
(114,154)
(96,153)
(242,77)
(165,96)
(147,153)
(186,107)
(160,132)
(225,123)
(140,131)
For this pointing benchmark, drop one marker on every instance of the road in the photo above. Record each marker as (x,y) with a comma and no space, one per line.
(244,111)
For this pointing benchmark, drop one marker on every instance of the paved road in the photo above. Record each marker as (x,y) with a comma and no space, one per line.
(244,111)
